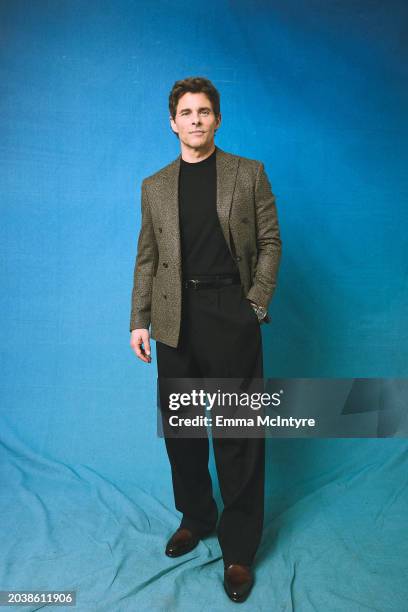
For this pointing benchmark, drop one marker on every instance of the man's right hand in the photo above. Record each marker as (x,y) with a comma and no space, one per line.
(139,337)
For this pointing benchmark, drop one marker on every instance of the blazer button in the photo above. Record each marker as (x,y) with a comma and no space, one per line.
(165,265)
(244,219)
(165,296)
(160,230)
(238,258)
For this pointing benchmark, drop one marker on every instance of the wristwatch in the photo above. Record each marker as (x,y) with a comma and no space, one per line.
(260,311)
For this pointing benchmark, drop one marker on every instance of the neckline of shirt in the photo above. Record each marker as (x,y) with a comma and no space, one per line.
(204,162)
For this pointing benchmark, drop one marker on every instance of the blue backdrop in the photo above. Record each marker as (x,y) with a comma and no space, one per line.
(315,89)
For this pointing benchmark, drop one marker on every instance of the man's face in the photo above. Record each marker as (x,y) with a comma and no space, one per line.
(195,122)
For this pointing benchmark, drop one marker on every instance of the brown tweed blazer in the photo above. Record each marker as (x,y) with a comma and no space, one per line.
(249,221)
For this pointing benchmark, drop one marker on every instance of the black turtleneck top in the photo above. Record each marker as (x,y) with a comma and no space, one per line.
(204,250)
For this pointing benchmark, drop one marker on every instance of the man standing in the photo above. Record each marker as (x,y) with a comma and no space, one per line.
(206,268)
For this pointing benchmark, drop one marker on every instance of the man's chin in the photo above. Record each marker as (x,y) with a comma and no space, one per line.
(198,144)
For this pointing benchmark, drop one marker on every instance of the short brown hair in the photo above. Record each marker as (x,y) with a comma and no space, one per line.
(194,85)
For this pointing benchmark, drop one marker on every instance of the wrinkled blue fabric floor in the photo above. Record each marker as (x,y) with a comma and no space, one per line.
(338,544)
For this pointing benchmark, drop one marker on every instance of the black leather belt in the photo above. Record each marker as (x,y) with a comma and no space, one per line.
(215,281)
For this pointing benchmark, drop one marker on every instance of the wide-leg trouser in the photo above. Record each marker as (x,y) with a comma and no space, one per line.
(220,337)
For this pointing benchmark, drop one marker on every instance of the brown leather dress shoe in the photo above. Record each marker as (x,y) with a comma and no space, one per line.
(238,581)
(181,542)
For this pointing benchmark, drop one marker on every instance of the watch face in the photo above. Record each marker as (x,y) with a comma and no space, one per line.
(261,313)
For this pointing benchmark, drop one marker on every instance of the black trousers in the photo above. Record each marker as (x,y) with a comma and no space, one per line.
(220,337)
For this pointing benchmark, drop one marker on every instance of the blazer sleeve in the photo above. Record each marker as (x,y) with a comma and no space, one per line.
(269,244)
(144,268)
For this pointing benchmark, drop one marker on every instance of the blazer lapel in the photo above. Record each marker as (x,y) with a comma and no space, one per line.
(227,166)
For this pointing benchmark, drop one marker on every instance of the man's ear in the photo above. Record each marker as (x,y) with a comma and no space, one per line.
(173,125)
